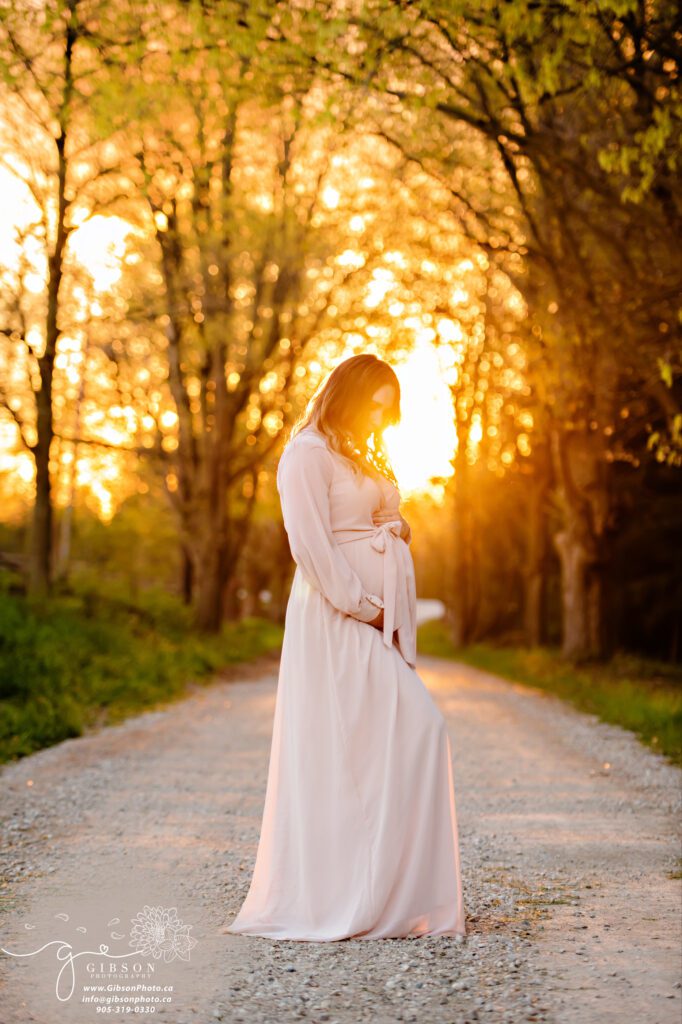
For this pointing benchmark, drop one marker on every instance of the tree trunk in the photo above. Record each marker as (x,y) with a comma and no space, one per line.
(575,560)
(186,575)
(209,593)
(212,552)
(460,612)
(41,551)
(534,611)
(581,543)
(536,570)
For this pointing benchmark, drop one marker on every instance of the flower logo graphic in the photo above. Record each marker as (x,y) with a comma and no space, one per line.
(158,932)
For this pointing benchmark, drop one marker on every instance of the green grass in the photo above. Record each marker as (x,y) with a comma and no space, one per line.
(86,659)
(639,694)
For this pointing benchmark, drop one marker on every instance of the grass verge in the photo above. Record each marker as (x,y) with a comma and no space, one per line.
(89,659)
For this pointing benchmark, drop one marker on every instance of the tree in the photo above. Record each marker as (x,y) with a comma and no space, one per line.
(229,157)
(579,106)
(48,67)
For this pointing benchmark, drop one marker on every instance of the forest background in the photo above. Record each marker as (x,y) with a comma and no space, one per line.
(208,205)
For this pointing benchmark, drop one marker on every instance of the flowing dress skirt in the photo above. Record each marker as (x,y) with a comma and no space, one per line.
(359,832)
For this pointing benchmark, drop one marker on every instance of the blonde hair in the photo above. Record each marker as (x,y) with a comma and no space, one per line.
(334,409)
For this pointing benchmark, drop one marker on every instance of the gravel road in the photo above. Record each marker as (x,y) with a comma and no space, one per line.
(570,842)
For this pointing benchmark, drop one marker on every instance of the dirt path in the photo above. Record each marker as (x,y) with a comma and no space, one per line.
(571,910)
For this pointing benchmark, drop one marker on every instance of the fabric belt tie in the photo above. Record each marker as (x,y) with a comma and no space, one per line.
(383,538)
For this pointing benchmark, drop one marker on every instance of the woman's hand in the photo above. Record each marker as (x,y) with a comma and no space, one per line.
(382,516)
(379,621)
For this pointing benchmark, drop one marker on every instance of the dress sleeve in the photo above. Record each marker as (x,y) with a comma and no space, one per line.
(304,476)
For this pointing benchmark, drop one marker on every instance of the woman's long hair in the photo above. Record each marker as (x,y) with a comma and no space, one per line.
(341,401)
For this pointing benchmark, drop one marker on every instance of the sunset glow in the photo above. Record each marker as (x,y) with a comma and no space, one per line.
(422,445)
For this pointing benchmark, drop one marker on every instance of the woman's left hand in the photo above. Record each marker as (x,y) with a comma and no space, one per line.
(382,516)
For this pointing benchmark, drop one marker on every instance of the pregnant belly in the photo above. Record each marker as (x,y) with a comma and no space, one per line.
(389,574)
(367,563)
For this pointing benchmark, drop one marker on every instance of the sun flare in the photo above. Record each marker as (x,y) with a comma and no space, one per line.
(421,446)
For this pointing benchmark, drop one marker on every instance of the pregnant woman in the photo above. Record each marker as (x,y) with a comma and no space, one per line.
(359,832)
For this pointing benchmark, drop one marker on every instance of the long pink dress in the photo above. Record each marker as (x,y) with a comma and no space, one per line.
(359,831)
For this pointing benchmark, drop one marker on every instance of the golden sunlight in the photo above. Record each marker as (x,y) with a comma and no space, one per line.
(99,244)
(422,445)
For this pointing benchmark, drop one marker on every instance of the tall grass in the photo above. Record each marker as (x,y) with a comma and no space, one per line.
(89,658)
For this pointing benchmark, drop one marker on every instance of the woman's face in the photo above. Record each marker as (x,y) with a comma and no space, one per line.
(379,404)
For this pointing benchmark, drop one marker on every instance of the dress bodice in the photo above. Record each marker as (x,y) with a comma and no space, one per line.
(343,502)
(353,496)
